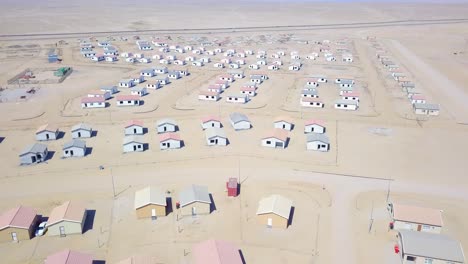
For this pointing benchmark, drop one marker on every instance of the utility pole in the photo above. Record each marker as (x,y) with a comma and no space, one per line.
(388,188)
(371,221)
(113,184)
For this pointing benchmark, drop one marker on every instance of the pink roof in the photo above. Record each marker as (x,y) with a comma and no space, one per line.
(92,100)
(134,123)
(210,118)
(312,80)
(352,94)
(139,260)
(214,86)
(225,76)
(416,214)
(127,97)
(46,127)
(167,136)
(278,133)
(248,89)
(220,82)
(311,99)
(315,122)
(418,97)
(20,217)
(216,252)
(69,211)
(208,93)
(69,257)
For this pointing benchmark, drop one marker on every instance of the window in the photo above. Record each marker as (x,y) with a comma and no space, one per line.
(338,105)
(139,146)
(427,227)
(427,261)
(411,258)
(129,102)
(212,141)
(268,142)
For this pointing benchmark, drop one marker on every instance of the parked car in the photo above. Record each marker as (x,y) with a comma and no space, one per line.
(41,229)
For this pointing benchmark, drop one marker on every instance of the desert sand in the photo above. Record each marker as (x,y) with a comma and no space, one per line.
(383,148)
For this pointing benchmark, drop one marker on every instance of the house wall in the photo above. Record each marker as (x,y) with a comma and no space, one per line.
(241,125)
(414,226)
(208,97)
(93,105)
(166,128)
(350,107)
(128,103)
(43,136)
(273,142)
(211,124)
(277,221)
(314,129)
(221,141)
(201,209)
(26,159)
(131,130)
(283,125)
(422,260)
(314,145)
(174,144)
(312,104)
(77,152)
(70,228)
(21,234)
(84,133)
(129,147)
(146,211)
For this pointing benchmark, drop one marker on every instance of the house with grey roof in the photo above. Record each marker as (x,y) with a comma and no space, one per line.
(239,121)
(215,136)
(423,247)
(34,153)
(133,143)
(150,202)
(126,83)
(309,93)
(163,80)
(74,148)
(274,211)
(111,89)
(81,130)
(147,72)
(166,125)
(346,104)
(195,200)
(173,75)
(318,141)
(160,69)
(426,109)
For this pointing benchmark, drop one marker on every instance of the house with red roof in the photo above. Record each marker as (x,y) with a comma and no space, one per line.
(211,121)
(283,122)
(128,100)
(314,126)
(247,90)
(93,102)
(69,257)
(18,224)
(216,252)
(134,127)
(206,95)
(277,138)
(170,141)
(311,102)
(66,219)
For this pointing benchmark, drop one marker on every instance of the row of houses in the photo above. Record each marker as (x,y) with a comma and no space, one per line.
(415,96)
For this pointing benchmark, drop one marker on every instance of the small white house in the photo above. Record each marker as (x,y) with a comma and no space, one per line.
(346,90)
(110,89)
(278,138)
(100,93)
(418,99)
(218,65)
(153,85)
(215,88)
(163,80)
(318,142)
(241,99)
(226,77)
(208,96)
(254,67)
(294,67)
(170,141)
(256,79)
(130,60)
(74,148)
(139,79)
(164,61)
(47,132)
(173,75)
(351,96)
(237,74)
(134,127)
(426,109)
(81,130)
(215,137)
(312,82)
(311,102)
(98,57)
(128,100)
(140,91)
(415,218)
(273,67)
(93,102)
(314,126)
(249,91)
(283,122)
(198,63)
(126,83)
(160,70)
(346,105)
(211,121)
(133,143)
(239,121)
(166,125)
(147,73)
(111,58)
(234,66)
(309,93)
(262,62)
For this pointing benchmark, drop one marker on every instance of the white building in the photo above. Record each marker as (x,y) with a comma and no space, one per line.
(206,95)
(318,142)
(239,121)
(346,105)
(133,143)
(211,121)
(166,125)
(311,102)
(128,100)
(81,130)
(134,127)
(126,83)
(283,122)
(98,57)
(426,109)
(74,148)
(249,91)
(170,141)
(173,75)
(153,85)
(314,126)
(215,136)
(240,99)
(277,138)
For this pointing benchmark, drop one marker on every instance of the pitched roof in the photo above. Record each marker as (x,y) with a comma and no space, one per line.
(347,102)
(77,143)
(315,122)
(275,204)
(416,214)
(68,211)
(19,217)
(164,121)
(210,118)
(427,106)
(127,97)
(238,117)
(318,137)
(133,139)
(139,260)
(134,122)
(286,119)
(194,193)
(92,100)
(209,93)
(214,132)
(69,257)
(277,133)
(149,195)
(216,252)
(429,245)
(47,127)
(168,136)
(81,126)
(34,148)
(311,99)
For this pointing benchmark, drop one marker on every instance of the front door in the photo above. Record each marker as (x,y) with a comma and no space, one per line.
(71,152)
(153,214)
(269,222)
(134,147)
(79,134)
(284,126)
(47,135)
(62,231)
(168,145)
(419,227)
(216,141)
(33,159)
(194,211)
(164,129)
(134,131)
(14,237)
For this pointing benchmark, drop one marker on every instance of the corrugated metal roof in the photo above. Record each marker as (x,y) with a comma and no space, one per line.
(164,121)
(194,193)
(20,217)
(69,211)
(149,195)
(34,148)
(215,132)
(167,136)
(238,117)
(81,126)
(133,139)
(275,204)
(318,137)
(347,102)
(427,106)
(139,260)
(277,133)
(429,245)
(417,214)
(69,257)
(216,252)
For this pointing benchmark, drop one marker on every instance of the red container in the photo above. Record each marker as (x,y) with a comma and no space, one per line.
(232,187)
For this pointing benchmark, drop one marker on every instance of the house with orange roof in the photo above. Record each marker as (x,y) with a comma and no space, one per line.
(66,219)
(93,102)
(416,218)
(69,257)
(314,126)
(128,100)
(134,127)
(170,141)
(47,132)
(283,122)
(211,121)
(18,224)
(277,138)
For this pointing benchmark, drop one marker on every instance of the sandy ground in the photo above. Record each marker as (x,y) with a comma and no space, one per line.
(334,193)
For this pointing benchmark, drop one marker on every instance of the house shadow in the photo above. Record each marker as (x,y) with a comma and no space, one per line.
(60,135)
(88,151)
(212,205)
(1,139)
(145,146)
(89,221)
(145,130)
(293,126)
(176,128)
(169,208)
(99,262)
(94,133)
(106,104)
(324,130)
(286,143)
(50,155)
(141,102)
(291,215)
(238,189)
(242,257)
(182,144)
(227,142)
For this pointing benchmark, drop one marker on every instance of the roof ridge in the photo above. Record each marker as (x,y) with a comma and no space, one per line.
(217,250)
(66,211)
(68,256)
(16,213)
